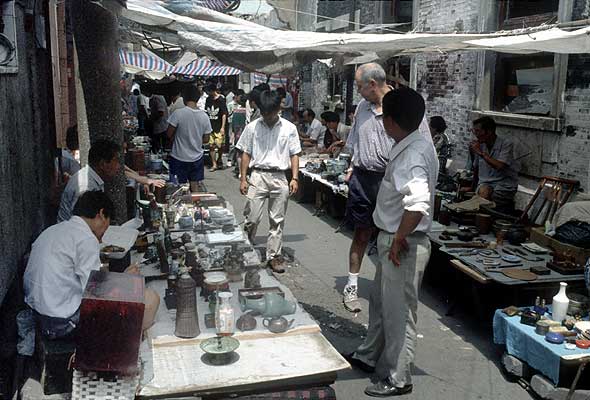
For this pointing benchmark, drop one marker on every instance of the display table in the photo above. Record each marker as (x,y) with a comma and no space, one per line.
(172,366)
(522,342)
(470,265)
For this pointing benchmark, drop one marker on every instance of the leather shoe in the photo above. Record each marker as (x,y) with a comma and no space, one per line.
(355,362)
(385,389)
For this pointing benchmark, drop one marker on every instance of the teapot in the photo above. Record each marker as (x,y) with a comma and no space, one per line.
(277,324)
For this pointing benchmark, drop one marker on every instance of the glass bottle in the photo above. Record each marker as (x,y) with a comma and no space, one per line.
(224,314)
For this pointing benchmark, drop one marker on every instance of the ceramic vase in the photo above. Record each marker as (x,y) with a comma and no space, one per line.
(560,303)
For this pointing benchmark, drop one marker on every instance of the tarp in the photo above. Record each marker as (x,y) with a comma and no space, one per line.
(148,64)
(253,47)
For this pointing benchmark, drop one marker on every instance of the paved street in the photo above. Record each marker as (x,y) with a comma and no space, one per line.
(456,358)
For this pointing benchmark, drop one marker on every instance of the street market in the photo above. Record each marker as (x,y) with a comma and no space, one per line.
(299,199)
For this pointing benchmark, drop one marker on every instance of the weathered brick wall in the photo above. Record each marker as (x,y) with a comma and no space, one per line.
(449,83)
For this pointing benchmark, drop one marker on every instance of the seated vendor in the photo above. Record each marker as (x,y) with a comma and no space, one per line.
(494,168)
(60,263)
(103,165)
(314,135)
(336,132)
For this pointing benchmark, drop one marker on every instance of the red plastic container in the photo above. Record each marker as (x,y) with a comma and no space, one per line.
(111,315)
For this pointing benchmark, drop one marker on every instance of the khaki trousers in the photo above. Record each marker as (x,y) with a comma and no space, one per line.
(274,187)
(390,344)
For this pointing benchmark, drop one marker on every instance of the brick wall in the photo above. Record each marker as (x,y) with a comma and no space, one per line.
(449,84)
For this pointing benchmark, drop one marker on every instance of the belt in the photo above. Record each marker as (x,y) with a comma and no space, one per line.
(268,169)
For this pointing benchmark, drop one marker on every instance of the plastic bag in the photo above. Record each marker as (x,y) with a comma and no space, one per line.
(575,233)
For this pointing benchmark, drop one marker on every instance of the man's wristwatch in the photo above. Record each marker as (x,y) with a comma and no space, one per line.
(296,179)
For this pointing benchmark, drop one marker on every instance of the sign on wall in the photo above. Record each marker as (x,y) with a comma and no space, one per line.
(8,48)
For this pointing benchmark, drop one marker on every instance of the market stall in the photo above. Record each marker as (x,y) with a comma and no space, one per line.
(273,352)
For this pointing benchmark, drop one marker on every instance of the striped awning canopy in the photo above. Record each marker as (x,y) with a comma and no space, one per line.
(148,62)
(275,81)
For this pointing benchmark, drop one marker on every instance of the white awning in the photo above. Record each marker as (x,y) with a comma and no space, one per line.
(252,47)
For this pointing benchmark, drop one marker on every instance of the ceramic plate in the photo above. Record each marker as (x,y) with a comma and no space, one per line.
(510,258)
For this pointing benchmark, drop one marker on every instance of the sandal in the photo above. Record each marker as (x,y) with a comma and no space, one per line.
(213,169)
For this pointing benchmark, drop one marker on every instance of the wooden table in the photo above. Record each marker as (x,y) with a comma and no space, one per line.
(301,357)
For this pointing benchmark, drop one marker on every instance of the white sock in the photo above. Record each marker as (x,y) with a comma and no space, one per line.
(353,279)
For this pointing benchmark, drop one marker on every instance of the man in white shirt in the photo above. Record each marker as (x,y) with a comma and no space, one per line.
(315,130)
(60,263)
(103,165)
(270,146)
(403,215)
(188,129)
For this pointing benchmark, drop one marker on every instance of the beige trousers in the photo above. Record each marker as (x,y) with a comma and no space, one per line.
(390,345)
(274,187)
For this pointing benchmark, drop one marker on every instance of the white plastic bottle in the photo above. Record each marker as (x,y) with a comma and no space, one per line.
(560,303)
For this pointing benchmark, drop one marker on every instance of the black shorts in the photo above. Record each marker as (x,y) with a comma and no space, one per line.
(362,197)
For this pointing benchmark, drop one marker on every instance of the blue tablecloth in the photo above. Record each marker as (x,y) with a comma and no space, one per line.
(522,342)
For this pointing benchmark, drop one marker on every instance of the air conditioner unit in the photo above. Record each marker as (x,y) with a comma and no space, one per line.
(8,50)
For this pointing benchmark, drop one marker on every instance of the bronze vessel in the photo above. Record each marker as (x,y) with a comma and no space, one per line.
(187,325)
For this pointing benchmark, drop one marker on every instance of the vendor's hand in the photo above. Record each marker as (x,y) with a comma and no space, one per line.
(475,147)
(132,269)
(244,187)
(157,182)
(293,187)
(399,246)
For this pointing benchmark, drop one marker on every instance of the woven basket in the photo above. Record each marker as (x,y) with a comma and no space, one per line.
(92,385)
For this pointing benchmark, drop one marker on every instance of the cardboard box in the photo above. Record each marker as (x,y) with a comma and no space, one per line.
(538,236)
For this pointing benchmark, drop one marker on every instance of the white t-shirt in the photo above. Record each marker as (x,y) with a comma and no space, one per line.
(191,125)
(317,131)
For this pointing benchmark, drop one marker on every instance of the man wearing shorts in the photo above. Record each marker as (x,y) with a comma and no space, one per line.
(188,129)
(216,108)
(370,145)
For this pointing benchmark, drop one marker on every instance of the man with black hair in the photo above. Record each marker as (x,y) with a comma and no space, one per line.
(188,129)
(441,141)
(494,166)
(314,135)
(270,146)
(336,133)
(216,108)
(403,215)
(69,164)
(103,165)
(252,110)
(60,263)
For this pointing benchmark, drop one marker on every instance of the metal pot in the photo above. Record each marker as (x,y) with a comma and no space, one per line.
(277,324)
(516,235)
(578,305)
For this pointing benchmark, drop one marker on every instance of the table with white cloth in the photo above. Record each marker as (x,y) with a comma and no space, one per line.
(300,357)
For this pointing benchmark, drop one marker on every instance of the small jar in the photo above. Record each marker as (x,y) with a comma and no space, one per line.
(224,314)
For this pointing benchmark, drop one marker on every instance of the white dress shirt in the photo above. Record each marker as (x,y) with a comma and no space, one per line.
(409,183)
(177,105)
(83,181)
(270,148)
(61,260)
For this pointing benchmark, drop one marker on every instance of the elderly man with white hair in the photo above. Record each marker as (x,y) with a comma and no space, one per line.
(371,147)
